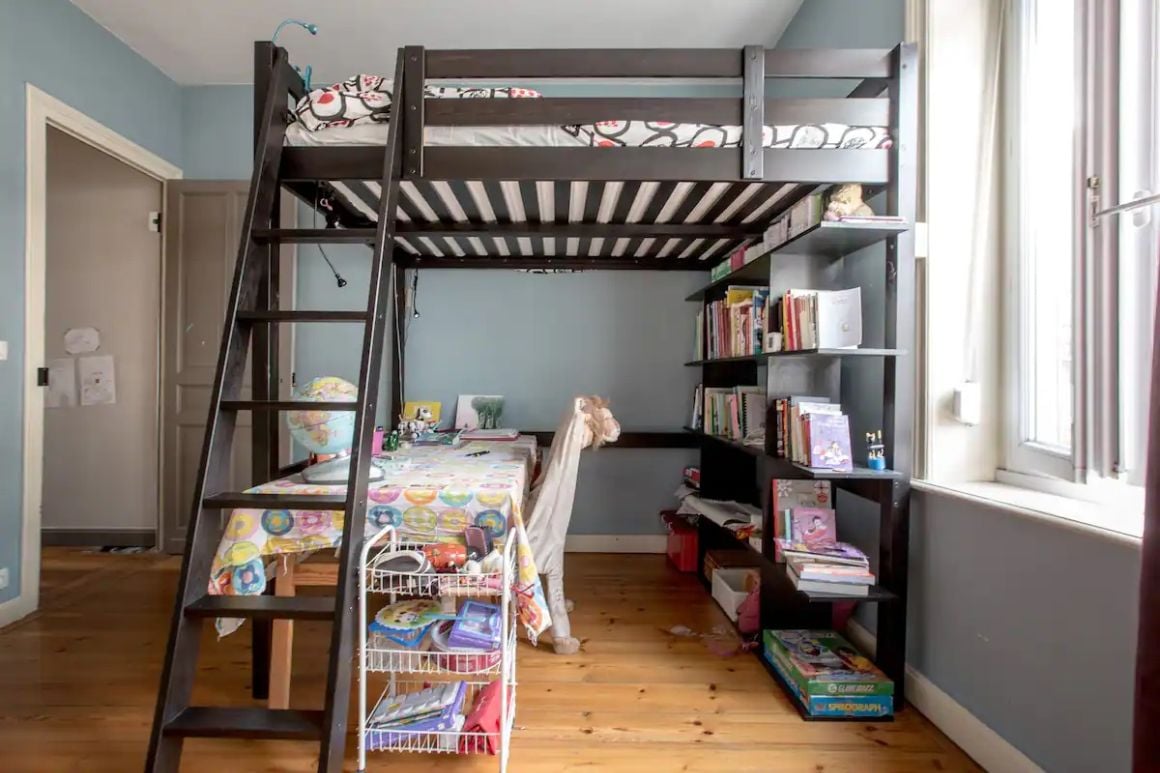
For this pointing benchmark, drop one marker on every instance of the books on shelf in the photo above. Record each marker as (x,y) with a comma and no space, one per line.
(841,553)
(821,319)
(813,432)
(733,326)
(822,572)
(737,413)
(829,586)
(802,216)
(827,675)
(739,258)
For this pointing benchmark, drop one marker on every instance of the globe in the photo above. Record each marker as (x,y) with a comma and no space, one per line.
(324,432)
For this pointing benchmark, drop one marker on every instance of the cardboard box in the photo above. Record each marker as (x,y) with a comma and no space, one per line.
(730,587)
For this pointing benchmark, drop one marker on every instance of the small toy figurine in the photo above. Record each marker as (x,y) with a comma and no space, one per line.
(423,420)
(875,451)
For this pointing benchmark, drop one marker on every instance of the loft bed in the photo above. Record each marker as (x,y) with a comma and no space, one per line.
(491,183)
(648,207)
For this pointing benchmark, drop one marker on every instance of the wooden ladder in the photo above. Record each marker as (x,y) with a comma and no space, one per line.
(251,310)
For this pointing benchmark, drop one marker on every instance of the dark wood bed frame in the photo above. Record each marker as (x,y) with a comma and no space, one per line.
(884,93)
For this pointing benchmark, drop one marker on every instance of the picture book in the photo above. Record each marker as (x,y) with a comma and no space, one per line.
(828,440)
(813,526)
(792,493)
(412,408)
(822,662)
(838,553)
(817,571)
(828,588)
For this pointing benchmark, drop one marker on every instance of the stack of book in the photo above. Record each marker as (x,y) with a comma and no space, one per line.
(813,432)
(835,569)
(805,531)
(737,413)
(827,676)
(400,718)
(737,259)
(818,319)
(733,326)
(871,219)
(801,216)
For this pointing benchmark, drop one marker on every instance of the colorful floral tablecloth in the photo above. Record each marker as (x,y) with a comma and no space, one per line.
(429,493)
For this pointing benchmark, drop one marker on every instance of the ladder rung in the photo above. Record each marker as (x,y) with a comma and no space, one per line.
(244,722)
(264,607)
(314,235)
(228,500)
(296,315)
(286,405)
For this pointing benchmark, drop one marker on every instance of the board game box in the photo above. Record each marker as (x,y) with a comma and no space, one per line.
(822,663)
(835,706)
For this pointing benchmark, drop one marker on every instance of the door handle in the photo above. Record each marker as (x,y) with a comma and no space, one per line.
(42,376)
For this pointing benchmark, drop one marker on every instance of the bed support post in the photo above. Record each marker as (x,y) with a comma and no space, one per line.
(898,380)
(752,113)
(398,351)
(264,367)
(414,76)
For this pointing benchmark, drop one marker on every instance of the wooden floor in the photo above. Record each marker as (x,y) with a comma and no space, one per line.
(78,681)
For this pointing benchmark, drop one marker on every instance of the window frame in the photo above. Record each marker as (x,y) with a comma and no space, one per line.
(1027,458)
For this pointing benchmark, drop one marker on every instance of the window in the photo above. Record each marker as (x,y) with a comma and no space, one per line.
(1080,136)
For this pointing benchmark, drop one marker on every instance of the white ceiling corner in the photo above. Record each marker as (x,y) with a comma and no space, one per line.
(198,42)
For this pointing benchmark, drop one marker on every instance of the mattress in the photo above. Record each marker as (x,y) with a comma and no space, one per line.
(357,111)
(605,134)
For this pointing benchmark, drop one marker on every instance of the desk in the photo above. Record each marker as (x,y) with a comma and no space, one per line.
(430,495)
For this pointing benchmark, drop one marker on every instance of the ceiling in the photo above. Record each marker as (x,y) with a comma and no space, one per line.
(210,41)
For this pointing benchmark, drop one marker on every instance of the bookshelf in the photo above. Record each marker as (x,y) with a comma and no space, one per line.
(874,385)
(828,239)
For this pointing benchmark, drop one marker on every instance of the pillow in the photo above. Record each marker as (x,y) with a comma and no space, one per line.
(367,99)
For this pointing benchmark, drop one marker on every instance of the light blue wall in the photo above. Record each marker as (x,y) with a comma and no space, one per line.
(218,132)
(54,46)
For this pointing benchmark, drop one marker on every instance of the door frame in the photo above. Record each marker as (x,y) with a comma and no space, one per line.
(42,111)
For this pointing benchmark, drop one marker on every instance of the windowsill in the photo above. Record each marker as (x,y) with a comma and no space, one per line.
(1103,520)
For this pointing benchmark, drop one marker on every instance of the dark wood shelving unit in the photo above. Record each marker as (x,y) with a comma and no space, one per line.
(731,470)
(830,239)
(862,351)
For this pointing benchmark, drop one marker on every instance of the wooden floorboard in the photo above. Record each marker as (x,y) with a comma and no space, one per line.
(78,681)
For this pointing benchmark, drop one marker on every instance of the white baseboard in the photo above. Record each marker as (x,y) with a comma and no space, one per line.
(615,543)
(986,747)
(16,609)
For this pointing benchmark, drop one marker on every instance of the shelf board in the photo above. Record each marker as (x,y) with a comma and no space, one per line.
(751,450)
(785,468)
(755,358)
(862,351)
(834,239)
(819,473)
(830,239)
(760,359)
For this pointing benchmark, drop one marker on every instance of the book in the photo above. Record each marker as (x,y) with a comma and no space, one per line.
(821,319)
(838,553)
(822,587)
(489,434)
(837,319)
(813,526)
(432,701)
(822,662)
(827,436)
(818,571)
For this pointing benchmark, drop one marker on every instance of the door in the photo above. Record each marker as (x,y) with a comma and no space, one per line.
(102,306)
(203,227)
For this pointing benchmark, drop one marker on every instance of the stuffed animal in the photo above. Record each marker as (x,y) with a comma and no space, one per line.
(846,200)
(423,421)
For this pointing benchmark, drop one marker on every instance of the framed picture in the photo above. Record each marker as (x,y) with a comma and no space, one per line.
(478,412)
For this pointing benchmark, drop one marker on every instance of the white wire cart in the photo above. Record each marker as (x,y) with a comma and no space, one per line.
(421,669)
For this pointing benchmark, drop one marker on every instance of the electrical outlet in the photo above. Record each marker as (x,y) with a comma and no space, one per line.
(3,578)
